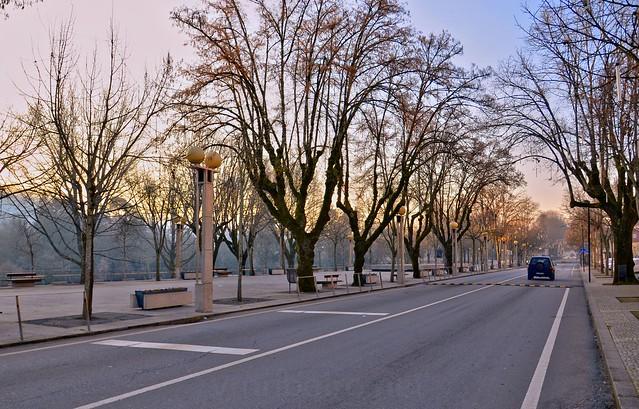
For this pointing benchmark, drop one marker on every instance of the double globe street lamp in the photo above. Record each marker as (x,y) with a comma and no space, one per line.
(204,165)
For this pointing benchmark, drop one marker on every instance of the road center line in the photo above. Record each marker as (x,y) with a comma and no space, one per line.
(537,382)
(335,312)
(176,347)
(271,352)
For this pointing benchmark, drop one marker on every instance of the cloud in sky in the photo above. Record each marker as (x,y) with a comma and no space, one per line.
(486,29)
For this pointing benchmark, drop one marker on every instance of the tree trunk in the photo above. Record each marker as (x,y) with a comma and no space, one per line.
(251,260)
(622,235)
(474,254)
(393,259)
(158,253)
(448,253)
(358,265)
(335,255)
(305,258)
(413,253)
(87,269)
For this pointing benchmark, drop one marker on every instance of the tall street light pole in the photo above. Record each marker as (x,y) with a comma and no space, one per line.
(453,225)
(179,229)
(400,244)
(484,259)
(204,236)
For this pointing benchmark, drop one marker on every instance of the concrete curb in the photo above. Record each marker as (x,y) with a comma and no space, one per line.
(204,317)
(623,388)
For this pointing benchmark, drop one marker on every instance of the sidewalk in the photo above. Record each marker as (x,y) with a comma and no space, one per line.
(617,329)
(53,305)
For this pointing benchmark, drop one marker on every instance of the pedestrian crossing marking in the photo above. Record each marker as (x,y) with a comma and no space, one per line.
(508,284)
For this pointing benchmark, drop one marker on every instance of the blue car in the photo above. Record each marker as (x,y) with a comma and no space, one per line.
(541,266)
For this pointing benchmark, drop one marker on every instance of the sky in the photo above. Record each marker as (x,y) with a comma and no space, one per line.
(486,28)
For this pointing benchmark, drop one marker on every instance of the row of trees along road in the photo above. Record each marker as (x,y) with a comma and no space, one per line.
(325,111)
(573,99)
(328,102)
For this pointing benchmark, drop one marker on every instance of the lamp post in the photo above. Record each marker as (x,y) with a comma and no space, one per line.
(350,238)
(400,244)
(179,229)
(453,225)
(204,165)
(484,259)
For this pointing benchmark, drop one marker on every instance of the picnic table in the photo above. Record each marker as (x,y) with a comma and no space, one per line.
(24,279)
(329,281)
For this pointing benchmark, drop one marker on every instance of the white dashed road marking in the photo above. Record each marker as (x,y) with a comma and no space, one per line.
(176,347)
(335,312)
(531,400)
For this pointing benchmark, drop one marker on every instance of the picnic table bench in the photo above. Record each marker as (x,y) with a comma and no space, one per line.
(24,279)
(329,281)
(221,272)
(435,271)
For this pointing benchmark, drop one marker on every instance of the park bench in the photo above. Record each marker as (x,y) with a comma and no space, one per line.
(24,279)
(276,271)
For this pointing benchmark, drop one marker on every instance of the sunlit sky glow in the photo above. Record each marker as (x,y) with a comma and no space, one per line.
(486,28)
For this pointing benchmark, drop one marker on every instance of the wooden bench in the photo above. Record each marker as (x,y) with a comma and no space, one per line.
(276,271)
(24,279)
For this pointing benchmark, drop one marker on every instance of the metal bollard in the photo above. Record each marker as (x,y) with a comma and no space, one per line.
(19,318)
(346,281)
(359,281)
(381,283)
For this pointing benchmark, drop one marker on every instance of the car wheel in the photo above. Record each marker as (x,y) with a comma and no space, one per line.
(552,277)
(530,277)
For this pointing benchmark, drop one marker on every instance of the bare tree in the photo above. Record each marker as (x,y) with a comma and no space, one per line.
(336,232)
(475,166)
(565,106)
(152,204)
(399,134)
(286,90)
(91,124)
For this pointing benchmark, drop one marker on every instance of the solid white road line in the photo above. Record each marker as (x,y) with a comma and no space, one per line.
(176,347)
(534,389)
(334,312)
(271,352)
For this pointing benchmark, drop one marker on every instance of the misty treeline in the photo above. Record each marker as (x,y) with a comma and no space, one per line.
(331,118)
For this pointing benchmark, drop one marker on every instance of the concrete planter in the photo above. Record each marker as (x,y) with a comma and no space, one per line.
(162,298)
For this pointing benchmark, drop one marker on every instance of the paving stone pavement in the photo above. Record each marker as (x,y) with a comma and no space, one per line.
(618,332)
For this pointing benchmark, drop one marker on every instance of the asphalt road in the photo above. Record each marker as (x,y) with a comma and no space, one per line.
(486,342)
